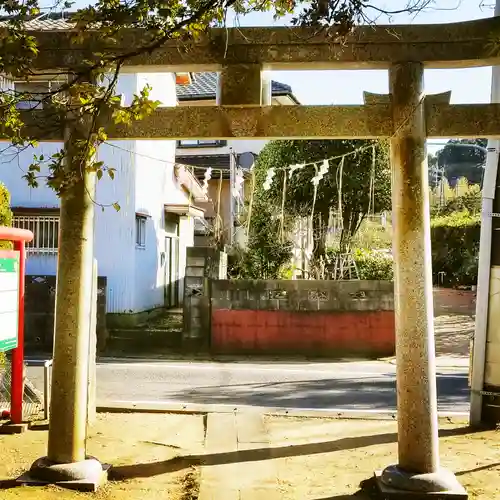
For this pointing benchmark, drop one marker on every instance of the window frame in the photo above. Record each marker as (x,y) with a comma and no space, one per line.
(140,231)
(201,143)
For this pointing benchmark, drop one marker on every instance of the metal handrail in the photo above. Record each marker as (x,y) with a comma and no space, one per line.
(47,365)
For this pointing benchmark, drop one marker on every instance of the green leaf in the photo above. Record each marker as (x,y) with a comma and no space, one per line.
(116,206)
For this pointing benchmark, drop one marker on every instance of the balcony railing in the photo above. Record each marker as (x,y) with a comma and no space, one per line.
(45,229)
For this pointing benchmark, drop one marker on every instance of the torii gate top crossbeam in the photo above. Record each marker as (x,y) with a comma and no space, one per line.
(456,45)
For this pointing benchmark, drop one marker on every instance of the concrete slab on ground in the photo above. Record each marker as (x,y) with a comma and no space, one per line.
(223,475)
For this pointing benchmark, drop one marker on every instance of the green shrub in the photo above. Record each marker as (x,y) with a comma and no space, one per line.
(5,212)
(455,248)
(374,265)
(468,202)
(266,255)
(5,220)
(259,263)
(373,235)
(455,252)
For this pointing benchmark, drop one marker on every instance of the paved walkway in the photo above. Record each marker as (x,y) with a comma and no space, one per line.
(237,462)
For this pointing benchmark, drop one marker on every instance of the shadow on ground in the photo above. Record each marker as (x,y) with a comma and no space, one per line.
(478,469)
(360,393)
(145,470)
(453,334)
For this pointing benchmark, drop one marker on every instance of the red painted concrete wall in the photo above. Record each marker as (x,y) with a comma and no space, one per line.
(339,333)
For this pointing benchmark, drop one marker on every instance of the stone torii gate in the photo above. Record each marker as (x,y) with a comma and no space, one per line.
(243,57)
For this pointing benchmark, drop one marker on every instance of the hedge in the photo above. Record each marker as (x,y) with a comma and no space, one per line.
(374,265)
(5,212)
(455,252)
(455,248)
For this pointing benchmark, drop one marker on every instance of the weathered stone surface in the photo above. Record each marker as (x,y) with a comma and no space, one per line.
(86,476)
(45,470)
(302,295)
(437,46)
(395,483)
(197,285)
(268,121)
(240,84)
(433,482)
(462,120)
(304,122)
(416,379)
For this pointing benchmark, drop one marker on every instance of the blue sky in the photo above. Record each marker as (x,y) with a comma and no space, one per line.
(346,87)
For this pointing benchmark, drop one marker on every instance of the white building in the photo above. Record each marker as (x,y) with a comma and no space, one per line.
(140,249)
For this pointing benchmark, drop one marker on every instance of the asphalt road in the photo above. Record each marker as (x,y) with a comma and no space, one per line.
(359,386)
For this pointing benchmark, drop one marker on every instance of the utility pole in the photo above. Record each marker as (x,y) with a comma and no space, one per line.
(485,373)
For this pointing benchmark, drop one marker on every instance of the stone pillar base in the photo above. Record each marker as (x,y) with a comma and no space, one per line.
(394,483)
(88,475)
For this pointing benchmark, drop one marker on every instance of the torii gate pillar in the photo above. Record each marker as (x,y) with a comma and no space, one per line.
(418,470)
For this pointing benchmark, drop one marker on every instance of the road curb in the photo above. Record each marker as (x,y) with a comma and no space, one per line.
(199,409)
(439,366)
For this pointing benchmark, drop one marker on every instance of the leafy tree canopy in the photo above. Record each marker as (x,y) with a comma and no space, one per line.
(361,181)
(463,158)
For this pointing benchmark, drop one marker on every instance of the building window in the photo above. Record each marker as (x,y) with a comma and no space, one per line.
(199,143)
(35,92)
(45,229)
(140,231)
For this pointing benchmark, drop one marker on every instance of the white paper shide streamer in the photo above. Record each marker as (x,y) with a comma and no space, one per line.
(238,183)
(269,179)
(206,178)
(323,170)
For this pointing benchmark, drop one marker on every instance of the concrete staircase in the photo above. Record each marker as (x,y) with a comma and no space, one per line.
(159,335)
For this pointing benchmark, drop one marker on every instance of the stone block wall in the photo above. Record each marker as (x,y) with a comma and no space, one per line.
(40,297)
(203,265)
(306,317)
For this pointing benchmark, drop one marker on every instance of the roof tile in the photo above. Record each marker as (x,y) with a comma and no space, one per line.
(204,86)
